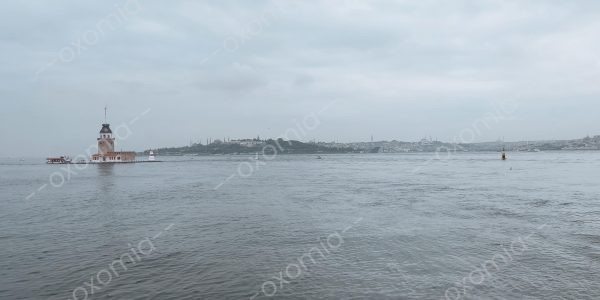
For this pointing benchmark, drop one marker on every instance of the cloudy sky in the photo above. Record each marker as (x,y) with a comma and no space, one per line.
(393,69)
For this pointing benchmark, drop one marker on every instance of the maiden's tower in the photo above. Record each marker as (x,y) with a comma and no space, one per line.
(106,148)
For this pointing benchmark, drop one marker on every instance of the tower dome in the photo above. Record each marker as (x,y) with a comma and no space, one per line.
(105,128)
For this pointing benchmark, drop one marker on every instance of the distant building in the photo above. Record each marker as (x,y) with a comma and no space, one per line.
(247,142)
(106,149)
(425,141)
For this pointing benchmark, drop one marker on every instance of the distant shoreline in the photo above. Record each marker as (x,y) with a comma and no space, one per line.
(368,153)
(281,146)
(33,160)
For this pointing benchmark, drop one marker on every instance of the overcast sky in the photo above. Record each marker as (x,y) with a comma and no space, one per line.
(399,70)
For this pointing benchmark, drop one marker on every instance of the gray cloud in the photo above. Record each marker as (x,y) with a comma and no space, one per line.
(397,69)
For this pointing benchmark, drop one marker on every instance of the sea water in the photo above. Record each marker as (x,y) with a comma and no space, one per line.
(364,226)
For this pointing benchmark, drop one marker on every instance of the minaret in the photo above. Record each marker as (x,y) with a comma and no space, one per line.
(106,143)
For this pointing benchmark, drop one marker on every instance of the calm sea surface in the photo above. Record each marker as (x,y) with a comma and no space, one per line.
(372,226)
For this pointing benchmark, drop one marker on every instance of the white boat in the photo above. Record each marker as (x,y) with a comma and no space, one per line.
(151,156)
(58,160)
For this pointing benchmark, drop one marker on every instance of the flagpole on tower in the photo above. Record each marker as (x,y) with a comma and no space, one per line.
(105,108)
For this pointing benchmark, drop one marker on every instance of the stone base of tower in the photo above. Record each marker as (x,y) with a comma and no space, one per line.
(114,157)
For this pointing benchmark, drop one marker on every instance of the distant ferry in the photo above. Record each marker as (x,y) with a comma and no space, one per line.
(58,160)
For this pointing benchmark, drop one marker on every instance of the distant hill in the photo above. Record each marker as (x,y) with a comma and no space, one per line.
(267,147)
(587,143)
(281,146)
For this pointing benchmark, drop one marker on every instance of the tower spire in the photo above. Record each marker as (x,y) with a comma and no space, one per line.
(105,108)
